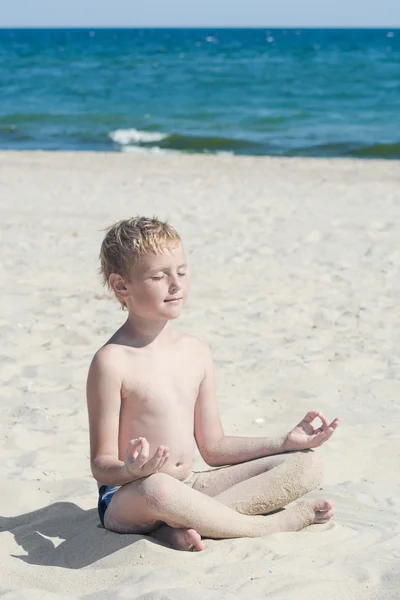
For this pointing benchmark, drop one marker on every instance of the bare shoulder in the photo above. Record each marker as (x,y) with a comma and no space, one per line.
(192,341)
(195,346)
(109,358)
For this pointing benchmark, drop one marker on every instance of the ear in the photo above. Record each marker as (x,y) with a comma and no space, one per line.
(118,285)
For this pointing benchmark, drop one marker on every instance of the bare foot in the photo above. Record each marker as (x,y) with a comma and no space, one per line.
(186,539)
(323,510)
(180,539)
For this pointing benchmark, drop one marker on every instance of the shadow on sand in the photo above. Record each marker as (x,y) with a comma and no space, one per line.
(78,539)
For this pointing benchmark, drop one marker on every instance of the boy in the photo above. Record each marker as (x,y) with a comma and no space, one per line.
(150,394)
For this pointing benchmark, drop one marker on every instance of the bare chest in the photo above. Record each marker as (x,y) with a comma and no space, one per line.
(161,386)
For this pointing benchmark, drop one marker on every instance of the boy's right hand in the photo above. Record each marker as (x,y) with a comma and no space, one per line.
(137,461)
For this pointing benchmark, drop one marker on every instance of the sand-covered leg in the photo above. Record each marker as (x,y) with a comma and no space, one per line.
(306,512)
(318,511)
(289,479)
(143,505)
(268,476)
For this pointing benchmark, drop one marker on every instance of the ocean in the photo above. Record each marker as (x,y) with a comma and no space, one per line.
(285,92)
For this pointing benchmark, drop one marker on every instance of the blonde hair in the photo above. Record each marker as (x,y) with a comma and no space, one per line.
(127,240)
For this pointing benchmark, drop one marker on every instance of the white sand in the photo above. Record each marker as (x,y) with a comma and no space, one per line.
(295,284)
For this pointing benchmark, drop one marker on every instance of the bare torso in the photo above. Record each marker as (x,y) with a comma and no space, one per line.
(158,395)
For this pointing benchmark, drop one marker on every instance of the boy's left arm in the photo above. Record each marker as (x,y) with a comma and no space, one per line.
(218,449)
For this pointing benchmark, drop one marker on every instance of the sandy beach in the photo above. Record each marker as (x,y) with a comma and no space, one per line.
(294,284)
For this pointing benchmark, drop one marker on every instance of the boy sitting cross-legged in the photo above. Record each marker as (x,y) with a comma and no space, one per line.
(151,397)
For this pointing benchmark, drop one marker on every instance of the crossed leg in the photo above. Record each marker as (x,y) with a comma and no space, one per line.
(255,487)
(264,485)
(144,505)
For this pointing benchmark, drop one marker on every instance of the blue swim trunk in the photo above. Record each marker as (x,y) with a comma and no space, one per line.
(106,492)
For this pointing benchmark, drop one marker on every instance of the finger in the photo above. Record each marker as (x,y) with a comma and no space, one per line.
(164,458)
(310,416)
(327,434)
(322,437)
(157,456)
(156,462)
(155,459)
(162,461)
(332,427)
(323,420)
(143,455)
(335,423)
(132,448)
(135,443)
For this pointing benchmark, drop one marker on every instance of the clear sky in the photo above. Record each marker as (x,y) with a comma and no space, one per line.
(197,13)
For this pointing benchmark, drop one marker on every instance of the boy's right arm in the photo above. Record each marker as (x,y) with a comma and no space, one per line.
(103,393)
(103,390)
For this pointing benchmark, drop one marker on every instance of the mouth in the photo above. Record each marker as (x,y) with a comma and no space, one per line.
(173,300)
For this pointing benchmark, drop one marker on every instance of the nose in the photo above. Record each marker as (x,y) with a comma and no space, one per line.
(175,284)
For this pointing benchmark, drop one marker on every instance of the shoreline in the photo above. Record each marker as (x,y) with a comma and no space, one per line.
(193,155)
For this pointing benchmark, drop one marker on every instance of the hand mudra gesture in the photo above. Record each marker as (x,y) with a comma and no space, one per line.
(305,435)
(137,461)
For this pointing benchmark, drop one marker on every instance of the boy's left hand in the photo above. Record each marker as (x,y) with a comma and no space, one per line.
(304,435)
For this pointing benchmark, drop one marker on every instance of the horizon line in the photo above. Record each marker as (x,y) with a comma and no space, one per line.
(259,27)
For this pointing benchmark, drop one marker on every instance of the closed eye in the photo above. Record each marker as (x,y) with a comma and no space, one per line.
(159,276)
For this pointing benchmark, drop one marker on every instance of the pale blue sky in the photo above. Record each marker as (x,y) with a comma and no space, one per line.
(197,13)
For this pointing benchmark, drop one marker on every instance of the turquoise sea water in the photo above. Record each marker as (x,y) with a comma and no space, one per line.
(253,91)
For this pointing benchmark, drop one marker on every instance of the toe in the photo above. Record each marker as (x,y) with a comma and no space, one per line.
(322,505)
(193,540)
(323,516)
(323,510)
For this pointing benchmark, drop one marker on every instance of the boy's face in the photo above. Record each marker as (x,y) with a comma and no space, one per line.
(158,285)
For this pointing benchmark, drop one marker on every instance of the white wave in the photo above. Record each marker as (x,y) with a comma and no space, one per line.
(129,136)
(156,150)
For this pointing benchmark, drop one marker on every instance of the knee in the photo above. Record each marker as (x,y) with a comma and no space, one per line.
(157,491)
(309,467)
